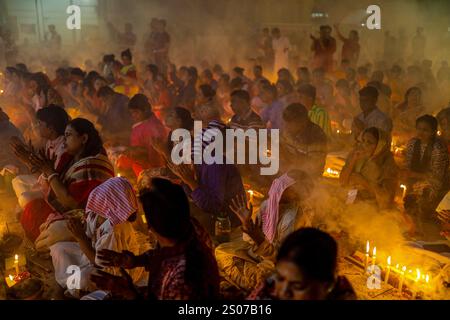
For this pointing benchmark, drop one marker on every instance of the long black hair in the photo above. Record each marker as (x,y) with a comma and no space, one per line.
(167,211)
(313,251)
(94,144)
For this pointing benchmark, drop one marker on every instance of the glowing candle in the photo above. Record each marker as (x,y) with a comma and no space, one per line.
(118,175)
(250,192)
(374,256)
(366,260)
(439,133)
(415,289)
(16,264)
(402,280)
(427,281)
(402,186)
(388,270)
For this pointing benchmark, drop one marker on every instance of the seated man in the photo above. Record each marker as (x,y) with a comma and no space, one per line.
(318,115)
(210,186)
(114,118)
(245,263)
(244,117)
(303,144)
(370,116)
(51,122)
(141,154)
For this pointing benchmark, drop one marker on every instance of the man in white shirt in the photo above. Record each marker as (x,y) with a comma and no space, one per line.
(281,46)
(371,115)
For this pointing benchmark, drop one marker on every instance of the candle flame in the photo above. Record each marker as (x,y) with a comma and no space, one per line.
(367,247)
(118,175)
(389,260)
(427,278)
(16,257)
(404,269)
(402,186)
(11,278)
(374,251)
(418,274)
(250,192)
(332,172)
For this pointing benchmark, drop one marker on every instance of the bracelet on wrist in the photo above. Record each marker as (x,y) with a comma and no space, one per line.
(53,175)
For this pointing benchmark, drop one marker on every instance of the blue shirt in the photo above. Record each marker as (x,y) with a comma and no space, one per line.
(273,113)
(218,184)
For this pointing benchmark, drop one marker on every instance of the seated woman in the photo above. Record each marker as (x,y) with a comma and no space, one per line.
(406,113)
(246,262)
(141,154)
(111,208)
(175,118)
(302,274)
(371,170)
(69,188)
(126,82)
(426,171)
(182,267)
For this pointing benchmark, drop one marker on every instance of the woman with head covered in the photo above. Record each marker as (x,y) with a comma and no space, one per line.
(111,208)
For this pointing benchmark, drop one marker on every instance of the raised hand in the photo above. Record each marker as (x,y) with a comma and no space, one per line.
(42,163)
(242,210)
(116,259)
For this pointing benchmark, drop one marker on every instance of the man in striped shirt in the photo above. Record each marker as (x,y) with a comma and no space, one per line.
(244,117)
(318,115)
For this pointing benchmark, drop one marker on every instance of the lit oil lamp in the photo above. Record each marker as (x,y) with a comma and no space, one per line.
(417,280)
(402,280)
(388,270)
(16,264)
(374,256)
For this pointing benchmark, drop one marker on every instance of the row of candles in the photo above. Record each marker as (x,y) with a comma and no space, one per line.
(402,271)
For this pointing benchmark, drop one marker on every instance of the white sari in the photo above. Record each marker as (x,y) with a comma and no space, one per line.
(117,238)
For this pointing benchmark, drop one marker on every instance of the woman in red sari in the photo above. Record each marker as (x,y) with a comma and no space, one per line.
(72,181)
